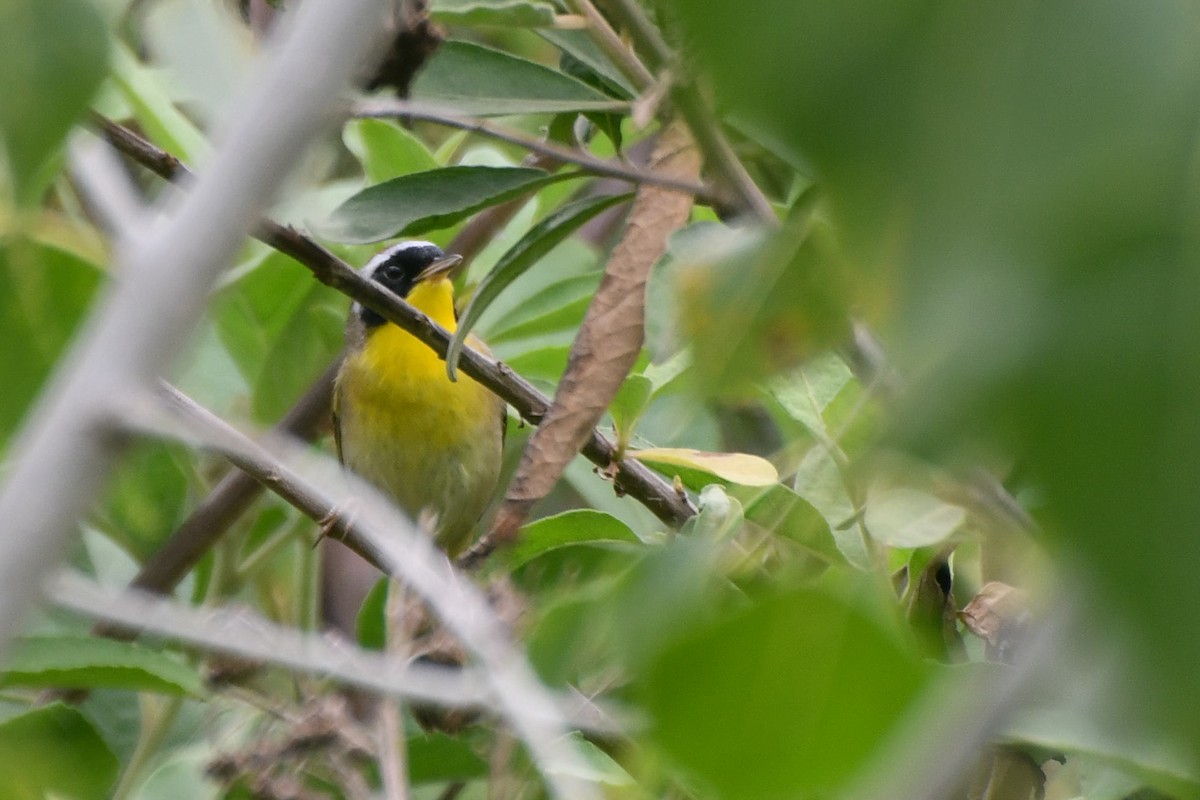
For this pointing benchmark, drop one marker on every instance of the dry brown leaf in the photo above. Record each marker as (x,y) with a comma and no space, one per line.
(999,615)
(611,335)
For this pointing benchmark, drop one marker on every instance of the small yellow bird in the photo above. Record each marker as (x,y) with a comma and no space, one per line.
(429,443)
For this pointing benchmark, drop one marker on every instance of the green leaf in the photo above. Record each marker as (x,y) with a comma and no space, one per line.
(982,163)
(281,328)
(533,246)
(182,774)
(478,80)
(581,526)
(507,13)
(803,687)
(143,89)
(429,200)
(627,407)
(806,392)
(54,752)
(819,481)
(386,150)
(545,364)
(44,293)
(755,305)
(146,497)
(904,517)
(371,625)
(785,513)
(1066,724)
(438,757)
(88,662)
(579,45)
(53,56)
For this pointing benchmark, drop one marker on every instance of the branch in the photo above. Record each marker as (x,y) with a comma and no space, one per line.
(316,483)
(405,109)
(64,451)
(246,635)
(231,498)
(632,478)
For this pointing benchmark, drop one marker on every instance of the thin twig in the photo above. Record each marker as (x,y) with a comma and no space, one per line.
(632,478)
(589,163)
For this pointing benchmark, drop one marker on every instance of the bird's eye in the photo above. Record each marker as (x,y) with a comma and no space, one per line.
(393,272)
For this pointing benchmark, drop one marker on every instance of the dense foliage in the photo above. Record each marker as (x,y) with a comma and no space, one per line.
(920,348)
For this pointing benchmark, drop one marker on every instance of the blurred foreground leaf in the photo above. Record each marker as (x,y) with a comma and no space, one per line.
(53,55)
(788,698)
(1022,176)
(54,752)
(43,295)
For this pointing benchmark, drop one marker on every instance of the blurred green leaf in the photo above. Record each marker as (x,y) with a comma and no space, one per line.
(627,406)
(282,329)
(806,392)
(557,306)
(144,89)
(182,775)
(479,80)
(904,517)
(53,56)
(821,483)
(438,757)
(752,308)
(89,662)
(581,526)
(1060,726)
(146,497)
(386,150)
(1020,178)
(579,45)
(425,201)
(370,627)
(43,295)
(785,513)
(803,686)
(533,246)
(54,752)
(545,364)
(507,13)
(570,259)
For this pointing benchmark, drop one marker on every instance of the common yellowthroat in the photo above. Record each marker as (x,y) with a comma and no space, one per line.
(429,443)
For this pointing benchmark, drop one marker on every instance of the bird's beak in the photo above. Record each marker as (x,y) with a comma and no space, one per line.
(446,267)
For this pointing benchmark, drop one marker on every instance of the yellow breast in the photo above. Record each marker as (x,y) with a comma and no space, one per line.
(427,441)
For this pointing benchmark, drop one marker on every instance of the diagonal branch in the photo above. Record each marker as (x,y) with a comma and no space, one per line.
(315,483)
(631,478)
(64,450)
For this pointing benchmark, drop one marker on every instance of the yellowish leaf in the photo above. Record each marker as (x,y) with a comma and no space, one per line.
(740,468)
